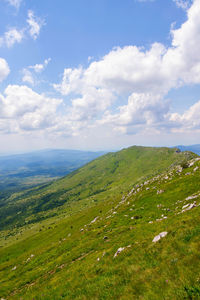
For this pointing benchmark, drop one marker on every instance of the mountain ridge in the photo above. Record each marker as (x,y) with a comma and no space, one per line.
(102,247)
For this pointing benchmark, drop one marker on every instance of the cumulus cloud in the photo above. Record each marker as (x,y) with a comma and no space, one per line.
(143,76)
(15,3)
(184,4)
(4,69)
(28,75)
(11,37)
(14,35)
(38,68)
(35,24)
(22,109)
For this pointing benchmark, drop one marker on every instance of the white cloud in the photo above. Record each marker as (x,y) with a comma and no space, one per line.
(15,3)
(27,77)
(22,109)
(143,76)
(4,69)
(184,4)
(35,24)
(11,37)
(38,68)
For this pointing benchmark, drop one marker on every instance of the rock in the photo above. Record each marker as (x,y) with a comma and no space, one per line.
(179,169)
(188,173)
(108,217)
(188,206)
(119,251)
(192,197)
(147,188)
(159,236)
(81,230)
(160,192)
(150,222)
(69,234)
(93,221)
(195,169)
(14,268)
(105,237)
(159,205)
(114,212)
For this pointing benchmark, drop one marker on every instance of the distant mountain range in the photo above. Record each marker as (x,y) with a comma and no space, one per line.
(192,148)
(40,166)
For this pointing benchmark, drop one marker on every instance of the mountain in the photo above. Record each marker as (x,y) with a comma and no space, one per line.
(124,226)
(193,148)
(29,169)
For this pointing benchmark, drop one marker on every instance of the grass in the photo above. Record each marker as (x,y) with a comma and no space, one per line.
(68,257)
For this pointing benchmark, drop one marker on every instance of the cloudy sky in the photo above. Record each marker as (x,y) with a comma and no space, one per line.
(99,74)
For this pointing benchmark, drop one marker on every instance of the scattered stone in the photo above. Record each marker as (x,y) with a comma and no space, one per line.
(159,205)
(195,169)
(93,221)
(81,230)
(188,206)
(119,251)
(160,192)
(150,222)
(105,238)
(147,188)
(188,173)
(69,234)
(132,218)
(14,268)
(192,197)
(179,169)
(114,212)
(159,236)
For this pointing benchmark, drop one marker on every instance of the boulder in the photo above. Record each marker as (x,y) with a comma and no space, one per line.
(119,250)
(159,236)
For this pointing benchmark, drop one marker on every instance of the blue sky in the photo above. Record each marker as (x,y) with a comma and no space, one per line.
(99,74)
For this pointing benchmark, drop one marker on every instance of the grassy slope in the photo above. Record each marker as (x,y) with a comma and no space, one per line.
(103,178)
(65,262)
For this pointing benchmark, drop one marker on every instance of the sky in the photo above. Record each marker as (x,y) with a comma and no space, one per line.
(99,74)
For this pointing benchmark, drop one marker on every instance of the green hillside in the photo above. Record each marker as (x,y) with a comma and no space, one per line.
(102,179)
(90,235)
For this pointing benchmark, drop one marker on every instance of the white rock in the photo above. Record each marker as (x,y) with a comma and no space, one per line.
(119,251)
(13,269)
(160,191)
(93,221)
(159,236)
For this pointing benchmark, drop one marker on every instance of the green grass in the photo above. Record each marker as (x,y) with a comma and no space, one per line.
(70,263)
